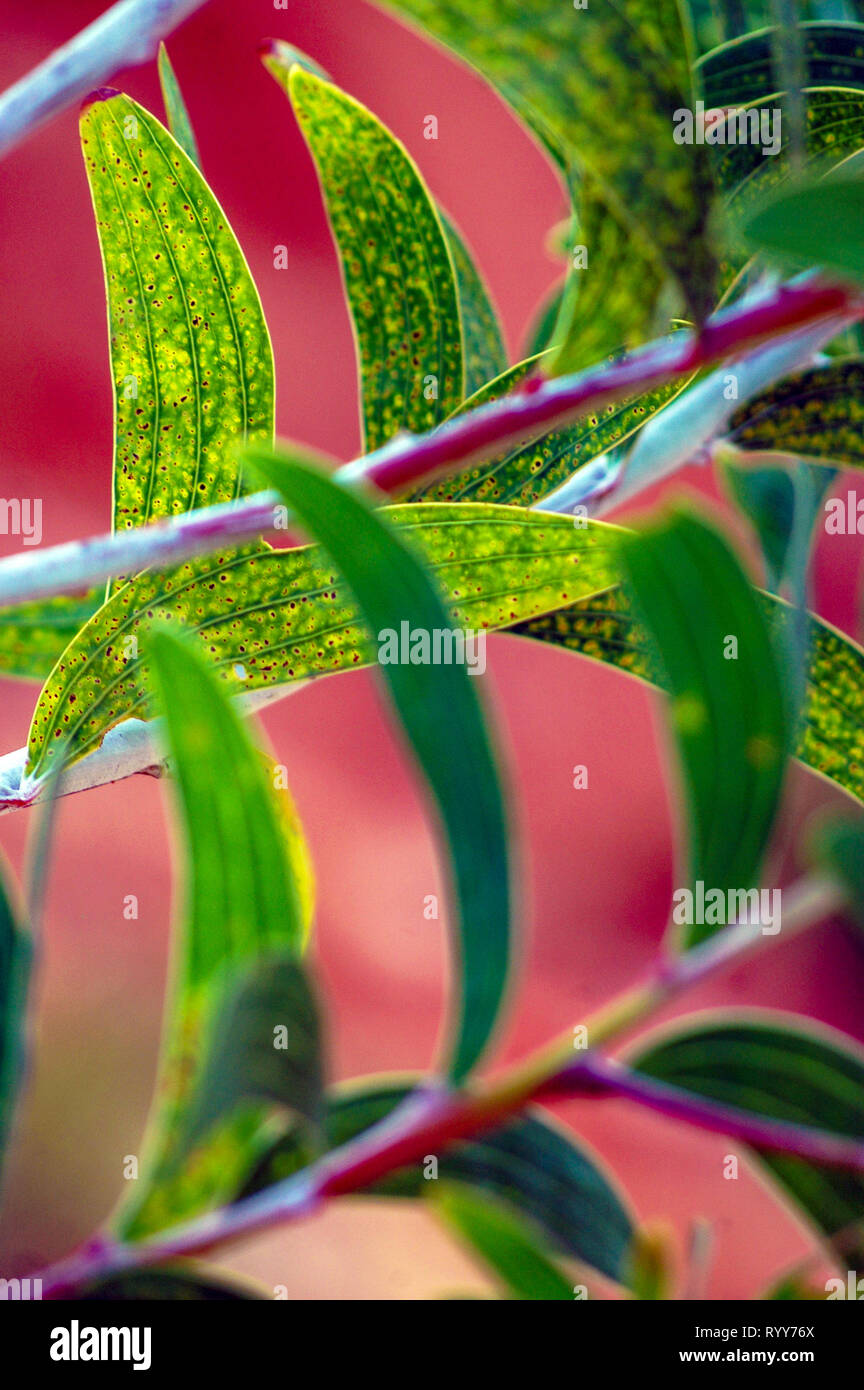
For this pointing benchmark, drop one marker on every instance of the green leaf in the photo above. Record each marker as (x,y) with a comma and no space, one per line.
(441,717)
(189,1283)
(831,737)
(190,354)
(816,414)
(265,1046)
(504,1242)
(529,472)
(268,617)
(612,299)
(767,497)
(15,964)
(541,329)
(838,845)
(175,109)
(599,86)
(396,261)
(793,228)
(247,898)
(727,709)
(33,636)
(742,71)
(781,1072)
(482,340)
(536,1167)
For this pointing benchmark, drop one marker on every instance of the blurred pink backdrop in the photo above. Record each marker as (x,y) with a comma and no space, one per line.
(597,864)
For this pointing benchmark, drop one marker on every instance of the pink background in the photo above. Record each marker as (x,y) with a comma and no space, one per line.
(598,864)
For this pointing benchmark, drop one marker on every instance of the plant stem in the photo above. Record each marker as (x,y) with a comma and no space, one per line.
(127,33)
(533,409)
(433,1116)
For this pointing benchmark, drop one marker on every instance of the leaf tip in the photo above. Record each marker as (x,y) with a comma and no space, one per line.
(99,94)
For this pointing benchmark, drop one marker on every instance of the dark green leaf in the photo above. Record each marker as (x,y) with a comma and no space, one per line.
(839,846)
(264,1045)
(504,1242)
(816,414)
(156,1285)
(831,737)
(715,649)
(441,715)
(247,898)
(767,497)
(743,71)
(15,964)
(538,1168)
(782,1073)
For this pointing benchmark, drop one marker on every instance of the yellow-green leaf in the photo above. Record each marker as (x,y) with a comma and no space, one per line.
(817,414)
(34,635)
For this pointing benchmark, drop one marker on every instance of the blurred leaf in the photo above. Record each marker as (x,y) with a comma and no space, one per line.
(175,108)
(831,737)
(599,86)
(190,352)
(264,1045)
(539,1169)
(186,1284)
(504,1242)
(743,70)
(783,1073)
(15,964)
(529,472)
(612,299)
(396,262)
(33,636)
(792,1289)
(816,414)
(443,721)
(268,617)
(247,898)
(482,341)
(793,225)
(727,709)
(838,845)
(280,57)
(767,497)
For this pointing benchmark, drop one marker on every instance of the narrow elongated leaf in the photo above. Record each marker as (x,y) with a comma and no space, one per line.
(268,617)
(793,225)
(482,341)
(443,721)
(529,472)
(536,1167)
(34,635)
(767,497)
(728,712)
(265,1046)
(839,846)
(504,1242)
(15,962)
(600,87)
(779,1071)
(817,414)
(191,359)
(247,897)
(831,737)
(743,70)
(396,262)
(541,329)
(175,108)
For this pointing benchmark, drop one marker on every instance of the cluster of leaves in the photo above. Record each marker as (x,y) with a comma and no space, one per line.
(192,366)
